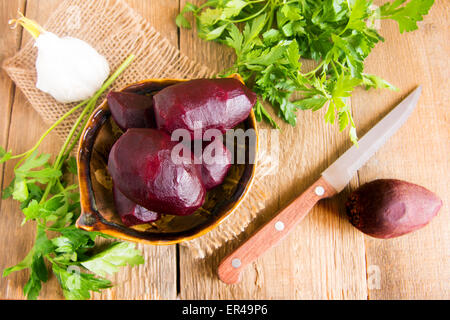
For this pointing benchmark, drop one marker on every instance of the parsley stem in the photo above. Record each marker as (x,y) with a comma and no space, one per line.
(315,69)
(206,4)
(81,118)
(210,3)
(289,2)
(77,138)
(57,164)
(334,68)
(249,17)
(341,65)
(270,18)
(66,151)
(64,117)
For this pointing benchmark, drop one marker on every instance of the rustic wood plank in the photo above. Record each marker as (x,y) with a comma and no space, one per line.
(18,246)
(414,266)
(274,231)
(160,14)
(10,43)
(154,280)
(20,238)
(323,257)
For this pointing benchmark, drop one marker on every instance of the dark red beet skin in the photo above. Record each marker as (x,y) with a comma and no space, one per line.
(131,213)
(203,104)
(131,110)
(141,165)
(216,161)
(389,208)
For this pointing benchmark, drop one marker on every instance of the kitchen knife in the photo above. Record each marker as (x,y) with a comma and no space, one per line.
(331,182)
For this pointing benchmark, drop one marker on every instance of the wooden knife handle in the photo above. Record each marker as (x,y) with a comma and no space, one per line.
(273,232)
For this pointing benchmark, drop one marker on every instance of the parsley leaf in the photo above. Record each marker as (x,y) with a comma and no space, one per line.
(358,14)
(47,199)
(180,20)
(314,103)
(25,263)
(118,254)
(277,34)
(373,81)
(408,15)
(71,164)
(77,285)
(4,156)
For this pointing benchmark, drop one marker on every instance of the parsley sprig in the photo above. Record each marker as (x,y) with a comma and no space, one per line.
(269,37)
(47,198)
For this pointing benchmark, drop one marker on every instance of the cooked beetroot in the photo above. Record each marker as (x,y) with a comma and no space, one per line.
(203,104)
(216,161)
(131,110)
(389,208)
(131,213)
(141,165)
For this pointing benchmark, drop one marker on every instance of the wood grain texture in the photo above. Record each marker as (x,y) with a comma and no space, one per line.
(417,265)
(316,262)
(25,128)
(9,44)
(154,280)
(324,257)
(274,231)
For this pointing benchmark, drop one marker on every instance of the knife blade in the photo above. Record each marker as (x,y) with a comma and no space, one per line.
(343,169)
(331,182)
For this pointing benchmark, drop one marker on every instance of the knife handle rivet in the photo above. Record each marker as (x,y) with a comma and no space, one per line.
(236,263)
(320,191)
(279,226)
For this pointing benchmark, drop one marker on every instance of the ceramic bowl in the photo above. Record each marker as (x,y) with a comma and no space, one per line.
(97,206)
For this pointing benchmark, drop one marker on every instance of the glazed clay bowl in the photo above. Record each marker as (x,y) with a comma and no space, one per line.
(98,212)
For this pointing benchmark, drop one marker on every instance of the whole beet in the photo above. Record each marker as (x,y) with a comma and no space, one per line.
(388,208)
(131,110)
(203,104)
(141,165)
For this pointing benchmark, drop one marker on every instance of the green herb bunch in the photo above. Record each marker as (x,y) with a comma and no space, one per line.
(47,198)
(270,36)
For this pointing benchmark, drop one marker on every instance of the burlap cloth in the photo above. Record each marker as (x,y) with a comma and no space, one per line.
(116,31)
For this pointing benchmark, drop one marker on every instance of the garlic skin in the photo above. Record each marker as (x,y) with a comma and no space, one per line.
(69,69)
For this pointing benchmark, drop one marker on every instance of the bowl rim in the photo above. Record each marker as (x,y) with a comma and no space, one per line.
(90,218)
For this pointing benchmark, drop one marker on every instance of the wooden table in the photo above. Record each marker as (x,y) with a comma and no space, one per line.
(325,257)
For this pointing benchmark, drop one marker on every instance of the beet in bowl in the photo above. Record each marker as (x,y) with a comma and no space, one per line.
(163,160)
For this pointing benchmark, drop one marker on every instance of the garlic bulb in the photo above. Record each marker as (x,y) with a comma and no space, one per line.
(68,69)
